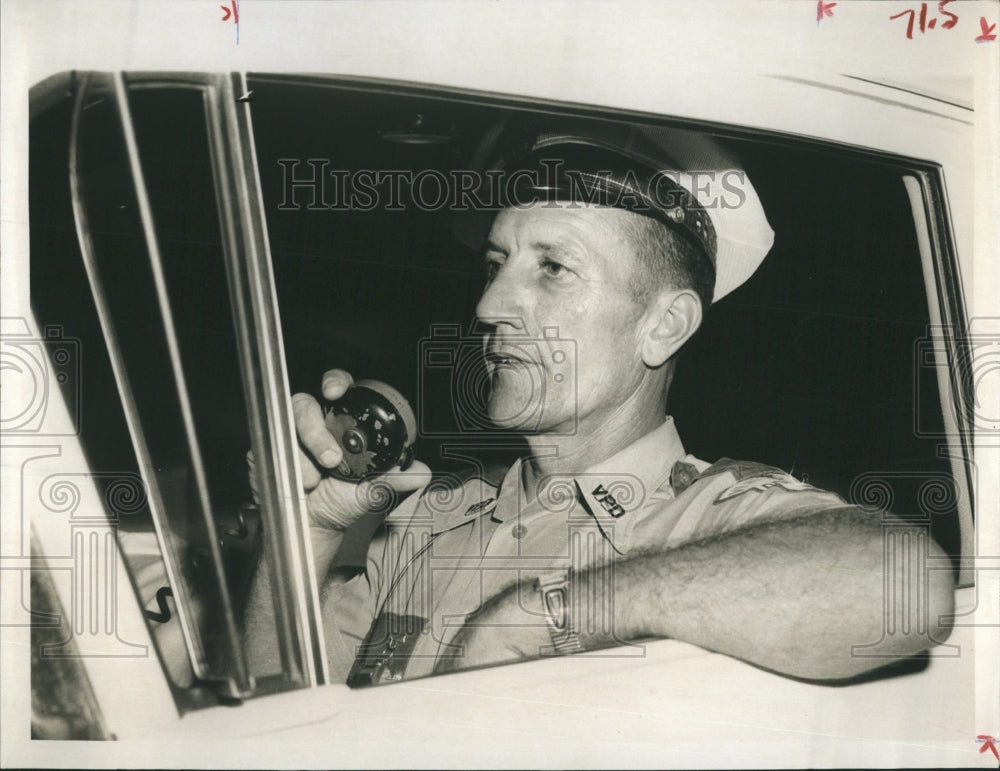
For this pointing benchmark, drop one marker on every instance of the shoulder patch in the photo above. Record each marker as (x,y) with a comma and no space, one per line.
(684,474)
(751,476)
(741,469)
(761,482)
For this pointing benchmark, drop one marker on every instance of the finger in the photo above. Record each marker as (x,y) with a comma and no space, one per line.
(338,503)
(311,429)
(416,476)
(335,383)
(310,474)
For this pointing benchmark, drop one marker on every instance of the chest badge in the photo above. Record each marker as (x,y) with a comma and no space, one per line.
(478,508)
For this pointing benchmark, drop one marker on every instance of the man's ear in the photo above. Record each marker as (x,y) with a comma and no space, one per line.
(671,317)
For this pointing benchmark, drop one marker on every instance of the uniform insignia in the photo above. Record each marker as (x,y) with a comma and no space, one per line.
(761,482)
(477,508)
(607,501)
(682,475)
(741,469)
(386,651)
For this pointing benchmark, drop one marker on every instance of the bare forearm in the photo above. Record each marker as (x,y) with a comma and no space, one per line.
(260,635)
(792,596)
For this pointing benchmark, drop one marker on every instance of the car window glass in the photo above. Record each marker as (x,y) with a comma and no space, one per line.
(143,342)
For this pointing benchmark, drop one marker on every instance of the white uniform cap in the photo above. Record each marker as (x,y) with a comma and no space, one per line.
(699,164)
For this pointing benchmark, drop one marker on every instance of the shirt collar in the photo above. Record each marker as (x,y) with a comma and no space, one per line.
(612,492)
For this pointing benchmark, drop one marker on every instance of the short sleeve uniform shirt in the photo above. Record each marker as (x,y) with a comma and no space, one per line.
(455,544)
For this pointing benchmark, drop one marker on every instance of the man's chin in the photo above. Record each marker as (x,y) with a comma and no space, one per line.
(513,414)
(527,418)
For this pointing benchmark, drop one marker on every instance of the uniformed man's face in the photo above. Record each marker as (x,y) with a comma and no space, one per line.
(563,351)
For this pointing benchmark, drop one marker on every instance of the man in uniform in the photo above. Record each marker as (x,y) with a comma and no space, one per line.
(599,269)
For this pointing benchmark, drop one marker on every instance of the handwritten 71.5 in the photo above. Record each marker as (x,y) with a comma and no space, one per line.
(924,22)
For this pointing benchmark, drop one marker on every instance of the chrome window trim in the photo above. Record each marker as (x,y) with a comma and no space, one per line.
(247,257)
(237,683)
(262,358)
(946,305)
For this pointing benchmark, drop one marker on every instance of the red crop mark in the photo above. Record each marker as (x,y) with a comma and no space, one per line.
(988,745)
(986,36)
(232,11)
(824,9)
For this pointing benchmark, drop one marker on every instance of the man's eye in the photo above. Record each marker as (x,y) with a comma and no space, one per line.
(553,269)
(492,268)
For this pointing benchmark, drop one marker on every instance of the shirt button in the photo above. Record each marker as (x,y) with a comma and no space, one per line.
(519,531)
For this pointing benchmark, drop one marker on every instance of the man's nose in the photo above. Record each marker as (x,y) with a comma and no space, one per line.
(503,302)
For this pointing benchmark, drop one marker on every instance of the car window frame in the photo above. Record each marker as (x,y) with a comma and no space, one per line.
(261,355)
(949,333)
(248,260)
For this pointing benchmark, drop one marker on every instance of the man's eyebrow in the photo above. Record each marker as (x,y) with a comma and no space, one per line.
(545,248)
(557,250)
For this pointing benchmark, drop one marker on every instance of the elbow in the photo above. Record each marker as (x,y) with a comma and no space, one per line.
(941,596)
(916,613)
(902,606)
(920,612)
